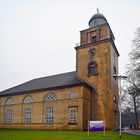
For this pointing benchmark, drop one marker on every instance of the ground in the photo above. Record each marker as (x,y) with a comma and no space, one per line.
(62,135)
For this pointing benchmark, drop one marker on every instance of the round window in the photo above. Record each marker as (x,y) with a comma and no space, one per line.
(92,51)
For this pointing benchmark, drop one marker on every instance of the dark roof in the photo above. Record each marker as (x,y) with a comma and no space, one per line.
(55,81)
(98,16)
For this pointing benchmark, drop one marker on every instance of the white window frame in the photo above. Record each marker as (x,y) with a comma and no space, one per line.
(9,115)
(28,100)
(27,115)
(50,97)
(49,114)
(9,102)
(73,95)
(73,115)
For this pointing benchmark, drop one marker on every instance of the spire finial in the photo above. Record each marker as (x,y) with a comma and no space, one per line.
(98,10)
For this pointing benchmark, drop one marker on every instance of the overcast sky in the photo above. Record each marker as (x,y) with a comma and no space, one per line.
(37,37)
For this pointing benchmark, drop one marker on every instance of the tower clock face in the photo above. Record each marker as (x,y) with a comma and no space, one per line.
(92,51)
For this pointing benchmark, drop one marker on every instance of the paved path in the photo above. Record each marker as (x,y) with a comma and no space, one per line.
(135,132)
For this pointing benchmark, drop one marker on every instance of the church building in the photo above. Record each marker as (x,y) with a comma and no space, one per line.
(67,101)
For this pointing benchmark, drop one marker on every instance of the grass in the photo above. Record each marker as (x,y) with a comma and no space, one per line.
(62,135)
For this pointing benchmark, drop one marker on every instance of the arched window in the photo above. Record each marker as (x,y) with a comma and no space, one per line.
(28,100)
(9,111)
(9,102)
(50,97)
(92,67)
(73,95)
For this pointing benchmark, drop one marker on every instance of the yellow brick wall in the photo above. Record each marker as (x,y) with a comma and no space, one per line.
(61,113)
(86,107)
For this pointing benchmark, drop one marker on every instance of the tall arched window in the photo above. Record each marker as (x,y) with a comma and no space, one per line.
(27,109)
(9,102)
(49,111)
(92,67)
(50,97)
(28,100)
(9,110)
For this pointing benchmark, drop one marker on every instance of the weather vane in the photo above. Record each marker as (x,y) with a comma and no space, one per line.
(98,10)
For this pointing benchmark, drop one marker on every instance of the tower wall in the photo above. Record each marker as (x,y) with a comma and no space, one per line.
(105,86)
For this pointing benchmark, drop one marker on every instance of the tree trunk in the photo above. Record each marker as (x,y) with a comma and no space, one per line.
(135,111)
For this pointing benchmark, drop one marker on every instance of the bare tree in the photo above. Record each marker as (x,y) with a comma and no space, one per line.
(132,90)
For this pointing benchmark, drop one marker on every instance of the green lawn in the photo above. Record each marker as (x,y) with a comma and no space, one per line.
(61,135)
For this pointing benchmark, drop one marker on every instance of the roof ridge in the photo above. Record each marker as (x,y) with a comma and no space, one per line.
(54,75)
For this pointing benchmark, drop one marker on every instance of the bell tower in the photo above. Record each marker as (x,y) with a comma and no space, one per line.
(96,62)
